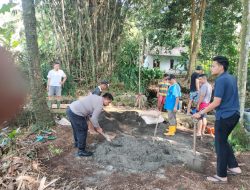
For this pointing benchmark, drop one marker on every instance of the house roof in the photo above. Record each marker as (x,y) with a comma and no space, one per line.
(163,51)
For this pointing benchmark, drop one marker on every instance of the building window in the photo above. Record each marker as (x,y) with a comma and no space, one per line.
(156,63)
(171,64)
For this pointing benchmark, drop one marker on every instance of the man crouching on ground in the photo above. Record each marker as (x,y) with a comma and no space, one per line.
(78,112)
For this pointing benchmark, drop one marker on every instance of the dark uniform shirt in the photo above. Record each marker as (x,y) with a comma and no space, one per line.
(97,91)
(226,89)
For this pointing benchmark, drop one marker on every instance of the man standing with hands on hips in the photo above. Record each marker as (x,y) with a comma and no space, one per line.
(226,104)
(56,79)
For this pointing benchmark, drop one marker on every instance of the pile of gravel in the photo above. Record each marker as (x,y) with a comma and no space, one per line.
(134,154)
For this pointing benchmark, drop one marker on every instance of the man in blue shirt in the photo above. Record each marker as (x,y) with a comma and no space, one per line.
(171,104)
(226,104)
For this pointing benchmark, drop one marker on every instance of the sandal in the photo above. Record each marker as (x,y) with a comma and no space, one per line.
(231,172)
(216,179)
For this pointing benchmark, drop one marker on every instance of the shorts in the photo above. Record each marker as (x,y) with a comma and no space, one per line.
(194,96)
(55,91)
(203,105)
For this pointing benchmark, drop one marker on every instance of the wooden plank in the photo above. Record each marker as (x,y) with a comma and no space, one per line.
(58,111)
(63,98)
(62,106)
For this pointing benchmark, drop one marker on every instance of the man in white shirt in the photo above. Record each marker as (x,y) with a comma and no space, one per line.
(56,78)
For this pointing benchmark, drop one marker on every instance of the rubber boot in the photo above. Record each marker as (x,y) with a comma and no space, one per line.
(58,103)
(172,130)
(49,104)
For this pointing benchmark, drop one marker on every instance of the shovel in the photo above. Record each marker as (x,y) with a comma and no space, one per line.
(196,163)
(194,139)
(155,131)
(106,137)
(109,136)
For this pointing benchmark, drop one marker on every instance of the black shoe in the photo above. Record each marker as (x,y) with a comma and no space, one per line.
(84,153)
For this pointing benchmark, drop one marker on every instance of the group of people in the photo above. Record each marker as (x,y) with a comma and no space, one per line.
(225,102)
(83,113)
(169,94)
(200,95)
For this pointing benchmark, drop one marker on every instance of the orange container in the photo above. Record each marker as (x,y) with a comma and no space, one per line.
(210,130)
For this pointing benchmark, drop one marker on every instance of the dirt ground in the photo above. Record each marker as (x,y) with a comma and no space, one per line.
(57,160)
(87,173)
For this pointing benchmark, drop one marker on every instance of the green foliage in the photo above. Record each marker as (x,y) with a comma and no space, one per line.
(54,151)
(127,69)
(7,138)
(6,7)
(6,34)
(219,36)
(164,23)
(167,24)
(150,76)
(12,134)
(239,139)
(9,29)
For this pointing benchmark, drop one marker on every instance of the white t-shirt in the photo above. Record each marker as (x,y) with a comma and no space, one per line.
(55,77)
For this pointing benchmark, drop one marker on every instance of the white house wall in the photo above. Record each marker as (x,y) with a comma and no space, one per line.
(164,62)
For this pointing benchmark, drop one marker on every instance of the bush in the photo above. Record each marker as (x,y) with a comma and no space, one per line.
(239,139)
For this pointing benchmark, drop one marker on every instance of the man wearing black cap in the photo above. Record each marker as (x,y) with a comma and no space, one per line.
(194,87)
(102,87)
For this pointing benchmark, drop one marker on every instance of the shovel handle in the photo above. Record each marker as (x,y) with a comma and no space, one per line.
(194,140)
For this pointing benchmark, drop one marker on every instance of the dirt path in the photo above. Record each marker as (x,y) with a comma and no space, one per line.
(92,173)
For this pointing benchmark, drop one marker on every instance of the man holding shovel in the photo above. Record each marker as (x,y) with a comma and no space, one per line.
(78,112)
(226,103)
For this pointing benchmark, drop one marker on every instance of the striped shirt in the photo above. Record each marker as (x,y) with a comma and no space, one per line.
(163,87)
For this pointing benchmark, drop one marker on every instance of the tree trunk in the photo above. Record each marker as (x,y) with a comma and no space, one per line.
(195,35)
(193,26)
(244,55)
(39,106)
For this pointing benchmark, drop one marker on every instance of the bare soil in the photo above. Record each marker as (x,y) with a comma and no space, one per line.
(88,173)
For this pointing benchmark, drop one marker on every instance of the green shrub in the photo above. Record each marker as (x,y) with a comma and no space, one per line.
(239,139)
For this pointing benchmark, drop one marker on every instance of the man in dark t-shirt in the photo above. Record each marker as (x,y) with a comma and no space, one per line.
(226,103)
(102,87)
(194,87)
